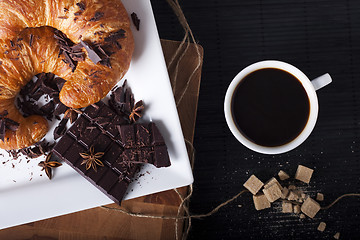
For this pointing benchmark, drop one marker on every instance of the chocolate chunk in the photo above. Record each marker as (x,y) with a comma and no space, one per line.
(94,57)
(48,109)
(60,109)
(59,83)
(60,129)
(135,20)
(121,149)
(97,16)
(2,129)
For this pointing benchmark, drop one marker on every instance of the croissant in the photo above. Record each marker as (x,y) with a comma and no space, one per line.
(28,47)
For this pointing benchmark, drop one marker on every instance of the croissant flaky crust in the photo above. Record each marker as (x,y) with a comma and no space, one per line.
(28,47)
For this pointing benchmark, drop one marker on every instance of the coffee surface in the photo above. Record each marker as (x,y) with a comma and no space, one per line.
(270,107)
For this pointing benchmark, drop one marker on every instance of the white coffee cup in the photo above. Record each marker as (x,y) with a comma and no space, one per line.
(310,88)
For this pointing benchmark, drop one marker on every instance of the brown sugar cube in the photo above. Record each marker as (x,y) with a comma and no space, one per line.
(302,216)
(292,196)
(297,209)
(292,187)
(287,207)
(283,175)
(321,227)
(310,207)
(261,202)
(303,174)
(337,235)
(272,192)
(253,184)
(271,182)
(303,196)
(284,192)
(319,197)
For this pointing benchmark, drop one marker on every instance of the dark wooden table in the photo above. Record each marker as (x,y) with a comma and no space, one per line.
(317,36)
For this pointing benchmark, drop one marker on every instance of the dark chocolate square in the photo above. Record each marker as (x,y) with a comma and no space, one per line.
(107,182)
(67,141)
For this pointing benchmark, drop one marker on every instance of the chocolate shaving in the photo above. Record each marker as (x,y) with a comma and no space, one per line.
(72,52)
(115,36)
(31,39)
(62,17)
(81,5)
(97,16)
(2,129)
(135,20)
(94,57)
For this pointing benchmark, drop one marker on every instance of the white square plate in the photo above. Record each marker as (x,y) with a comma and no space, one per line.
(27,195)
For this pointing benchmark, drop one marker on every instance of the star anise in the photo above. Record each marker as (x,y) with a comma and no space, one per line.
(48,165)
(136,112)
(92,159)
(72,114)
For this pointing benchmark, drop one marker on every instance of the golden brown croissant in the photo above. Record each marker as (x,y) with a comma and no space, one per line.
(28,47)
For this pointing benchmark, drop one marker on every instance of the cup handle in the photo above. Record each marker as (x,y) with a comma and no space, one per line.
(321,81)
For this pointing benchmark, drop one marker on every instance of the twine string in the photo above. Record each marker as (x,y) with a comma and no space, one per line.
(176,59)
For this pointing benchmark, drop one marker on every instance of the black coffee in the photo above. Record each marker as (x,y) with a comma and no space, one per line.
(270,107)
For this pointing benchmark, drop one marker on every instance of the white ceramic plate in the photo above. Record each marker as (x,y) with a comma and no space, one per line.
(25,196)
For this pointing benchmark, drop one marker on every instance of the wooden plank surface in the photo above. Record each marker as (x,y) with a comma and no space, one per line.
(99,223)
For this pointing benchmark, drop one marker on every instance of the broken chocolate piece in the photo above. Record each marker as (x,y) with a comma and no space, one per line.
(135,20)
(124,148)
(59,83)
(60,129)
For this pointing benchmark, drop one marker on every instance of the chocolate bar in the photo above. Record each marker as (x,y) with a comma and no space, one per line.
(111,148)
